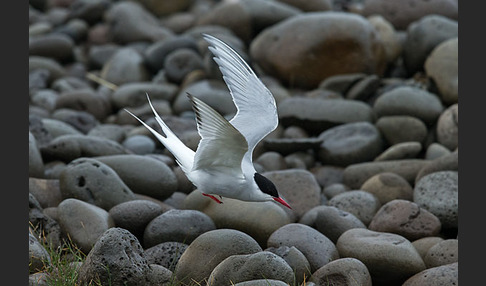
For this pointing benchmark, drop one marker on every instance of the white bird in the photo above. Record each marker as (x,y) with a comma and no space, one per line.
(222,164)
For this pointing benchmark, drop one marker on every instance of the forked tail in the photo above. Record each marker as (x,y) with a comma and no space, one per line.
(183,154)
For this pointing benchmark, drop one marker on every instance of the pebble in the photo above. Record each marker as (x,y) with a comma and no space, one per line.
(341,83)
(43,225)
(45,98)
(299,188)
(262,282)
(166,8)
(83,222)
(116,259)
(436,276)
(177,225)
(402,13)
(332,222)
(245,267)
(131,22)
(388,186)
(258,219)
(295,259)
(442,253)
(53,68)
(317,248)
(139,144)
(442,67)
(143,174)
(209,249)
(343,271)
(38,255)
(436,150)
(391,40)
(271,161)
(355,175)
(361,204)
(334,189)
(155,55)
(390,258)
(315,115)
(90,11)
(36,163)
(318,41)
(84,100)
(99,55)
(55,46)
(166,254)
(125,65)
(109,131)
(134,94)
(448,127)
(422,245)
(404,150)
(350,143)
(81,120)
(46,191)
(406,219)
(327,175)
(135,215)
(423,36)
(438,193)
(408,100)
(179,63)
(145,113)
(449,162)
(94,182)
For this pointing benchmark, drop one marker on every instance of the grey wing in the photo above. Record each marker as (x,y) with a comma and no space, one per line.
(256,114)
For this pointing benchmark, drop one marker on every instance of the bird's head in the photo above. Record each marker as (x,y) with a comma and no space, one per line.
(269,189)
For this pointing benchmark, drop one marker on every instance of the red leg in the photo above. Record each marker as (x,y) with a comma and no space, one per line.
(213,197)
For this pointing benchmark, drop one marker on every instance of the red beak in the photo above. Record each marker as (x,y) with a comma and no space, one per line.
(280,200)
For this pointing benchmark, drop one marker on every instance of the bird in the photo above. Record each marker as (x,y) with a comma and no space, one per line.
(222,163)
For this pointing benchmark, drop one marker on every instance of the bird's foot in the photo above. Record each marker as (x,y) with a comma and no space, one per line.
(214,198)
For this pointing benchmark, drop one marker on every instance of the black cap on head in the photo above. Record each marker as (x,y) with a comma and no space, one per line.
(266,185)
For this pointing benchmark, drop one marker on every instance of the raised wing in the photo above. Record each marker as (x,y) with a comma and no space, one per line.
(222,146)
(256,114)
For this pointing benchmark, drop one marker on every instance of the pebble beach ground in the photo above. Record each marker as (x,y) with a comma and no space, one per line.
(366,151)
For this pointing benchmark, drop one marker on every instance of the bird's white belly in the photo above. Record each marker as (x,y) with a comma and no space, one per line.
(221,184)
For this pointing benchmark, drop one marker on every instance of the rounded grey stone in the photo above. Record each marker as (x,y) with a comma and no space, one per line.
(58,128)
(443,253)
(94,182)
(126,65)
(401,128)
(436,276)
(422,245)
(238,268)
(404,150)
(179,63)
(166,254)
(139,144)
(390,258)
(209,249)
(343,271)
(449,162)
(177,225)
(38,255)
(79,119)
(156,53)
(295,259)
(361,204)
(448,127)
(388,186)
(332,222)
(439,194)
(135,215)
(317,248)
(36,163)
(350,143)
(84,222)
(134,94)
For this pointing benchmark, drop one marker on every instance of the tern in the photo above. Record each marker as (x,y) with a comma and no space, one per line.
(222,164)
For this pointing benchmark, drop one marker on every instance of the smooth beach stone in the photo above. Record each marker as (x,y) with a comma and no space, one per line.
(327,175)
(179,63)
(443,253)
(81,120)
(143,174)
(320,35)
(310,5)
(332,222)
(341,83)
(443,185)
(355,175)
(361,204)
(390,258)
(109,131)
(350,143)
(209,249)
(315,115)
(84,100)
(144,112)
(46,191)
(271,161)
(263,282)
(436,276)
(36,163)
(391,41)
(448,127)
(423,36)
(402,128)
(258,219)
(38,130)
(125,66)
(135,215)
(90,11)
(411,101)
(436,150)
(84,222)
(53,68)
(45,98)
(166,254)
(404,150)
(56,46)
(117,259)
(295,259)
(442,67)
(58,128)
(422,245)
(343,271)
(317,248)
(43,225)
(177,225)
(238,268)
(406,219)
(156,53)
(134,94)
(388,186)
(38,255)
(449,162)
(334,189)
(131,22)
(139,144)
